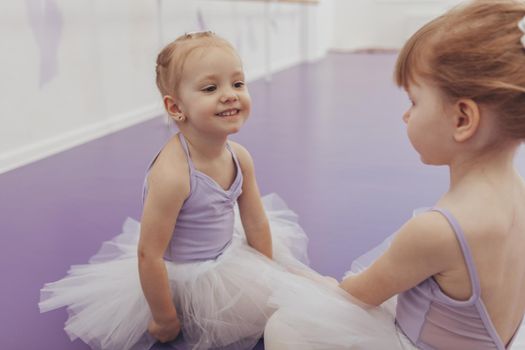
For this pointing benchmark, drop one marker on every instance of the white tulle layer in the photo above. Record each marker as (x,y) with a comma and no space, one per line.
(223,303)
(318,315)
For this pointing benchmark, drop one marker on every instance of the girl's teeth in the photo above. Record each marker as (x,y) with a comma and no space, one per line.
(228,113)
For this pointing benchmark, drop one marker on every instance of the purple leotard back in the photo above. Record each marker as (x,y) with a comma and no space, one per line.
(433,320)
(204,226)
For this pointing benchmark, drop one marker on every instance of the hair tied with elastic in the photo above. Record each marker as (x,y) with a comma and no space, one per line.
(190,35)
(521,26)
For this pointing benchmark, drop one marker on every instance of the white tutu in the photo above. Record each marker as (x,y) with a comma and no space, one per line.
(314,314)
(222,303)
(519,338)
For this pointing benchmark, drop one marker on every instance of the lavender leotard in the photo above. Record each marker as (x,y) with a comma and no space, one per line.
(204,226)
(433,320)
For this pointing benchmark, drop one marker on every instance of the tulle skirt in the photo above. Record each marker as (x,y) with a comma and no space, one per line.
(222,303)
(315,314)
(319,316)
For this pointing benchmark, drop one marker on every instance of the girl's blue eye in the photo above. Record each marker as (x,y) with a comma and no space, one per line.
(210,88)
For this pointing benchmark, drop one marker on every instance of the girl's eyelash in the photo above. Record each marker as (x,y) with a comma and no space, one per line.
(211,88)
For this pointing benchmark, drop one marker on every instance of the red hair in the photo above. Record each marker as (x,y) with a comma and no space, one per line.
(473,51)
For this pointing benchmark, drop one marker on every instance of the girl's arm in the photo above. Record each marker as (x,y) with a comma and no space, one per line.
(423,247)
(254,220)
(167,190)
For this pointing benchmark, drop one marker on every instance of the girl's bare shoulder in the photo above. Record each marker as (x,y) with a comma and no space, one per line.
(170,169)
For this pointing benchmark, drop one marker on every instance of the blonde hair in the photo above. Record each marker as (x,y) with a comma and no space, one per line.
(171,59)
(473,51)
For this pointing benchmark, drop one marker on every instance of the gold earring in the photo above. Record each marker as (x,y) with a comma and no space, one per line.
(179,117)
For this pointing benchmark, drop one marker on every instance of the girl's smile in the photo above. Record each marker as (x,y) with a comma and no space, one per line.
(232,112)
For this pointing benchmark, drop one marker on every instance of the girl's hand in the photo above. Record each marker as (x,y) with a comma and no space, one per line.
(165,332)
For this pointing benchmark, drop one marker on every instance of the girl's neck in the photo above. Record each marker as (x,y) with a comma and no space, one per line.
(494,165)
(206,147)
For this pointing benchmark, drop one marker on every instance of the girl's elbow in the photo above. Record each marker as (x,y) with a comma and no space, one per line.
(145,256)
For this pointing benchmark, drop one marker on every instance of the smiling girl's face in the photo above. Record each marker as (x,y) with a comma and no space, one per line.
(212,94)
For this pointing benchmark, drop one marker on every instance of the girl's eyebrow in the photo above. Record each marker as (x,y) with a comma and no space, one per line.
(207,77)
(215,76)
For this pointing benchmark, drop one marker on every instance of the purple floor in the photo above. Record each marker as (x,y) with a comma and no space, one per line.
(327,137)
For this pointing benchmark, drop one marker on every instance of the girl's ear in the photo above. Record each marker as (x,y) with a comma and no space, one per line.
(172,108)
(466,119)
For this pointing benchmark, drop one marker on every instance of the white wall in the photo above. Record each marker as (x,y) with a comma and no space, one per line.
(76,70)
(381,24)
(72,71)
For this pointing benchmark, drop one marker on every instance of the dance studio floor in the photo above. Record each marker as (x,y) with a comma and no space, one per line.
(326,136)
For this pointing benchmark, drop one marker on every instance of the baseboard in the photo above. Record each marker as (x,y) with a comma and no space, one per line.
(45,148)
(42,149)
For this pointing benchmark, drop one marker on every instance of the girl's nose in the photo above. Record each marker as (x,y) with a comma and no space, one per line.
(229,96)
(405,117)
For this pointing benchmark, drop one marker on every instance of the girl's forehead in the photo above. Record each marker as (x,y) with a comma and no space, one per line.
(418,82)
(412,86)
(208,60)
(210,53)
